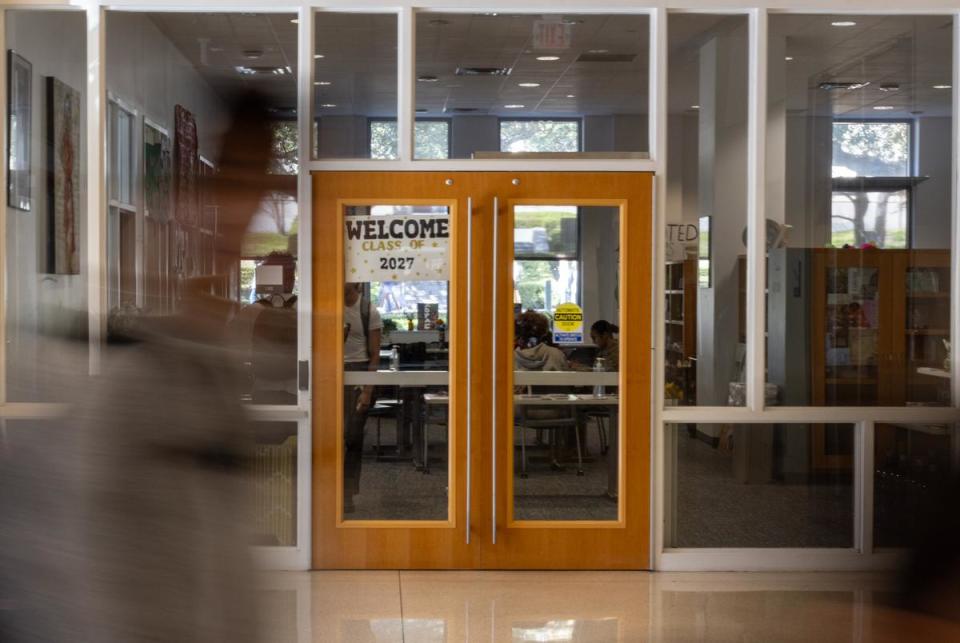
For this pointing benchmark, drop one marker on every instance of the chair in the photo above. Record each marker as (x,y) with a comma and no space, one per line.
(600,416)
(439,419)
(381,409)
(562,420)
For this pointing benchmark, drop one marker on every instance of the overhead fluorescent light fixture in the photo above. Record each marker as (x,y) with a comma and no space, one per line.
(883,108)
(245,71)
(831,85)
(514,106)
(483,71)
(943,86)
(548,59)
(843,23)
(528,84)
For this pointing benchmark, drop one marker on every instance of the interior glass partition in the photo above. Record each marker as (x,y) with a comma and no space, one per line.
(550,83)
(758,485)
(355,86)
(859,210)
(46,266)
(705,339)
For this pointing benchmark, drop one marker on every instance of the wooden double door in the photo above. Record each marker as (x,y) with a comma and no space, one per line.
(477,441)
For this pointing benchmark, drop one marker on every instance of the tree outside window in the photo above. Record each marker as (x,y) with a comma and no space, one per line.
(871,183)
(541,135)
(431,139)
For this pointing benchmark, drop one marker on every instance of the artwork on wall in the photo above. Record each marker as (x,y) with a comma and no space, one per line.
(187,168)
(20,129)
(63,178)
(157,164)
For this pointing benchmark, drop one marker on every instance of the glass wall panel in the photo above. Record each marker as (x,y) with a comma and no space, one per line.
(567,315)
(275,483)
(760,485)
(355,82)
(514,83)
(175,78)
(705,298)
(858,210)
(915,468)
(396,381)
(45,258)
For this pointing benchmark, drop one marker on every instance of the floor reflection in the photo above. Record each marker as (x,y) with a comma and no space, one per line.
(390,606)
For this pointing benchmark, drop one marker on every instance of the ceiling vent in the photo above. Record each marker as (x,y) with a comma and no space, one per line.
(461,110)
(597,57)
(252,54)
(484,71)
(832,85)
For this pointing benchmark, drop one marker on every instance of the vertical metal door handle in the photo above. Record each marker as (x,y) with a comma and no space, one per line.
(469,316)
(496,349)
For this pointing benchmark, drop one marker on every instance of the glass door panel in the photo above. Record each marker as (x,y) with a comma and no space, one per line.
(566,357)
(395,362)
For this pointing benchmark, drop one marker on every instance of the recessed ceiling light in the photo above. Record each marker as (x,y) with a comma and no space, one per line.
(883,108)
(788,58)
(514,106)
(943,86)
(844,23)
(328,105)
(317,56)
(528,84)
(571,95)
(295,21)
(548,59)
(323,83)
(694,107)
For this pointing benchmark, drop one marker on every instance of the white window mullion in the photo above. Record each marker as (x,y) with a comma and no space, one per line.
(406,42)
(658,147)
(306,36)
(96,184)
(955,218)
(756,219)
(3,212)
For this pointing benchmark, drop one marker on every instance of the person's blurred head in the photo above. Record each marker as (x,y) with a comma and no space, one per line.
(241,179)
(532,328)
(602,332)
(351,292)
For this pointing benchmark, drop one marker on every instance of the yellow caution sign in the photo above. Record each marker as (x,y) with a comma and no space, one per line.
(568,324)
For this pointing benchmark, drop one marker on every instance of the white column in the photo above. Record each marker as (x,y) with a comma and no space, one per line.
(406,70)
(306,34)
(96,184)
(756,219)
(658,151)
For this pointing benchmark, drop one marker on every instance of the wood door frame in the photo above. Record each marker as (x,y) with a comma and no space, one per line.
(621,544)
(408,544)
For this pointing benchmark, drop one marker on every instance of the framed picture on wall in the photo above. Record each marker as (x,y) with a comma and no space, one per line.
(157,171)
(63,178)
(20,129)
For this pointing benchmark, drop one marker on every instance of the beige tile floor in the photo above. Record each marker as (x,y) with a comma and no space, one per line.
(475,607)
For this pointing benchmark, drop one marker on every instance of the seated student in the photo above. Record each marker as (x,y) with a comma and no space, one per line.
(533,350)
(604,335)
